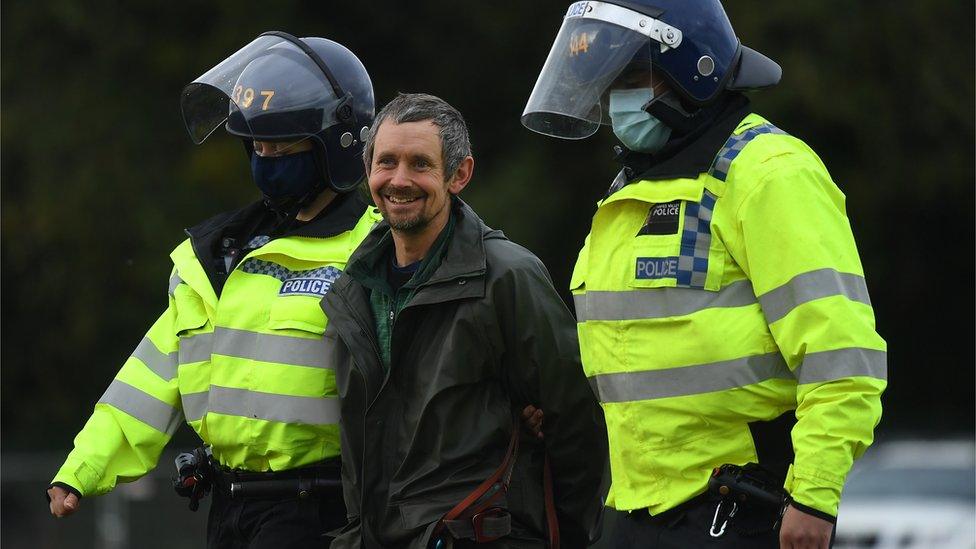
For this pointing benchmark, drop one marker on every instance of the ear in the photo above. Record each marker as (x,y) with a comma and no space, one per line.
(462,175)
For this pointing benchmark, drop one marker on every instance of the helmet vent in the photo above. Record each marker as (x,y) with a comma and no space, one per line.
(706,65)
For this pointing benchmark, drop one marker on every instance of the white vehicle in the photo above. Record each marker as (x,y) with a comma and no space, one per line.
(911,495)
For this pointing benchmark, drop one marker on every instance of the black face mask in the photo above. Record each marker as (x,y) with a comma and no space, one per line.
(286,180)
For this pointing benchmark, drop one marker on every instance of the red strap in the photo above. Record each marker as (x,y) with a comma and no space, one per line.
(503,474)
(551,521)
(505,470)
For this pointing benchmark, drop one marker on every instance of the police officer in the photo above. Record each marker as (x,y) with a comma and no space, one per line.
(722,310)
(238,353)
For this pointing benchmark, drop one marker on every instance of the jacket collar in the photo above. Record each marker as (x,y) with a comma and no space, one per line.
(464,257)
(461,275)
(690,155)
(339,216)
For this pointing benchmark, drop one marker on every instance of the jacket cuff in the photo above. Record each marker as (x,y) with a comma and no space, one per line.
(78,476)
(820,492)
(67,487)
(814,512)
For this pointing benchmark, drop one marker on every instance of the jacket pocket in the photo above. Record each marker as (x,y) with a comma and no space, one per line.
(302,313)
(193,328)
(654,259)
(684,253)
(578,280)
(191,313)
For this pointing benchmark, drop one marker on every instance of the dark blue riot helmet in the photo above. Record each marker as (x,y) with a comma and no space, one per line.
(280,88)
(689,45)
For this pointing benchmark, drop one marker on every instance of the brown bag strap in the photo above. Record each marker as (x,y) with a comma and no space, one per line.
(496,485)
(492,487)
(552,523)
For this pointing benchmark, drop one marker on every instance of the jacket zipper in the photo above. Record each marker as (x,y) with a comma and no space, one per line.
(376,352)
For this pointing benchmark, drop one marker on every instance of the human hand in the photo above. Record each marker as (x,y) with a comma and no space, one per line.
(804,531)
(63,502)
(532,420)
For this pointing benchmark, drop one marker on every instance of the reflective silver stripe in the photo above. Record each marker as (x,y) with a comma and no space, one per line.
(659,302)
(689,380)
(841,363)
(142,406)
(805,287)
(195,405)
(271,348)
(283,408)
(196,348)
(174,281)
(163,365)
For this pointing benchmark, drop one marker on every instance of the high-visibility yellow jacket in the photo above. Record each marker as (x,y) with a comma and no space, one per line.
(706,302)
(245,368)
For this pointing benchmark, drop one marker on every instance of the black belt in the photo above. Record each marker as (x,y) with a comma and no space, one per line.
(322,478)
(675,513)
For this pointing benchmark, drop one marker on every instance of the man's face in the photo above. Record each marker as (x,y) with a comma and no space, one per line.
(406,177)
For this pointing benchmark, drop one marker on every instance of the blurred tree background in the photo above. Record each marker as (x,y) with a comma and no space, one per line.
(99,178)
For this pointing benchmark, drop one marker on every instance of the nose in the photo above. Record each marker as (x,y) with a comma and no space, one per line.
(401,176)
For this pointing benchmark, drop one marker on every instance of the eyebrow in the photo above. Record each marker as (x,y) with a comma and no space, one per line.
(423,157)
(412,158)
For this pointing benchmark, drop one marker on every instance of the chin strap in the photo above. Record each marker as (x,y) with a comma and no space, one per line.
(286,208)
(668,110)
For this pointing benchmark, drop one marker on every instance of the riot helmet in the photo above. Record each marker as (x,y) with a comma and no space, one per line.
(280,88)
(691,46)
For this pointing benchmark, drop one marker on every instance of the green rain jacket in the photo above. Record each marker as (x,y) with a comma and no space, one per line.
(484,335)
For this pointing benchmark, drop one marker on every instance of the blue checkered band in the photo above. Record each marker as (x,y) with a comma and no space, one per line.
(696,238)
(257,242)
(313,282)
(734,145)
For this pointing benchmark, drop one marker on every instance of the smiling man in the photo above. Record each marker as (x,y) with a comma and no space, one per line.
(440,331)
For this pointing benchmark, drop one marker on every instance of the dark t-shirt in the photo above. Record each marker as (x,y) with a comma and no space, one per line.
(398,276)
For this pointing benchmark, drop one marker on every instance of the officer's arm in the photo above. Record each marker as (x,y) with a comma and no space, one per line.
(133,420)
(798,250)
(545,340)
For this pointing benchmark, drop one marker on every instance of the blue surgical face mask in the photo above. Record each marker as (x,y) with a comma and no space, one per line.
(633,126)
(287,176)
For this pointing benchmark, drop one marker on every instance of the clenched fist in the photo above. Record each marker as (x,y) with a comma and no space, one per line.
(63,502)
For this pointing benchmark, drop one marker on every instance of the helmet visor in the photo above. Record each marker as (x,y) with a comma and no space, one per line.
(597,44)
(269,90)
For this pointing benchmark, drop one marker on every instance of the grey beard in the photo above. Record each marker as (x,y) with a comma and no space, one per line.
(410,226)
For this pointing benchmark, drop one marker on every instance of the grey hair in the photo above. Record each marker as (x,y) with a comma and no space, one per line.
(417,107)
